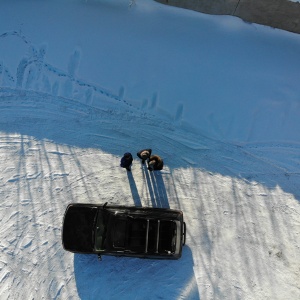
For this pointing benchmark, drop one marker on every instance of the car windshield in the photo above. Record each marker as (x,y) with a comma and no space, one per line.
(100,232)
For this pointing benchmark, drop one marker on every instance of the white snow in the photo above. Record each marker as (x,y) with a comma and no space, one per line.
(82,82)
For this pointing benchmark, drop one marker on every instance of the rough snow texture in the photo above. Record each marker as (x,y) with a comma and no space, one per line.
(231,159)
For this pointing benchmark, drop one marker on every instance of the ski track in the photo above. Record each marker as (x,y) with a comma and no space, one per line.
(61,141)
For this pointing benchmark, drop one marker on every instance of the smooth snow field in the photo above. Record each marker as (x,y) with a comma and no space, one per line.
(83,82)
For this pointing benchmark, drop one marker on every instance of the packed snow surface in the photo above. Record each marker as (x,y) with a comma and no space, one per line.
(82,82)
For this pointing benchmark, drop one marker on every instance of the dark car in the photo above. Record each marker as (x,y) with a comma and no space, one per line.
(123,231)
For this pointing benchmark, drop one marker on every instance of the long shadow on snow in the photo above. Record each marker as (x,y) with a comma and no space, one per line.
(134,191)
(156,188)
(65,121)
(135,278)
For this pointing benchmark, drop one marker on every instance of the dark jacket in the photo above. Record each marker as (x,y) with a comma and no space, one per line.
(126,160)
(158,162)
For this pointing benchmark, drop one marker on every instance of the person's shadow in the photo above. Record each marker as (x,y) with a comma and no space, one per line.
(157,189)
(134,191)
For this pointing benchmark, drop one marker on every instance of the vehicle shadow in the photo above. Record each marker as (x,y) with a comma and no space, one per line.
(135,278)
(156,187)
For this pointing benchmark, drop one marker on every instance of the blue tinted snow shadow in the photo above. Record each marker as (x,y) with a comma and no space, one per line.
(135,278)
(68,122)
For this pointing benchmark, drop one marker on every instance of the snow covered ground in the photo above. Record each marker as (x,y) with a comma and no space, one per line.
(82,82)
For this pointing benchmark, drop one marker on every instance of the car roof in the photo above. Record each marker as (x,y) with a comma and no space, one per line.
(141,235)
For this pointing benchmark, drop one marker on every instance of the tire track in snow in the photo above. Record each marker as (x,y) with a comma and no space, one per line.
(179,148)
(90,171)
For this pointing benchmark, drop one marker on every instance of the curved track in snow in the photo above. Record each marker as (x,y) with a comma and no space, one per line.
(62,137)
(238,204)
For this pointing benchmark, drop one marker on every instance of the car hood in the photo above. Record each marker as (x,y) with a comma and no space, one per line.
(78,229)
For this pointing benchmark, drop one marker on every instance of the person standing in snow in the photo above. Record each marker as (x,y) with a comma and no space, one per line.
(126,161)
(155,163)
(144,154)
